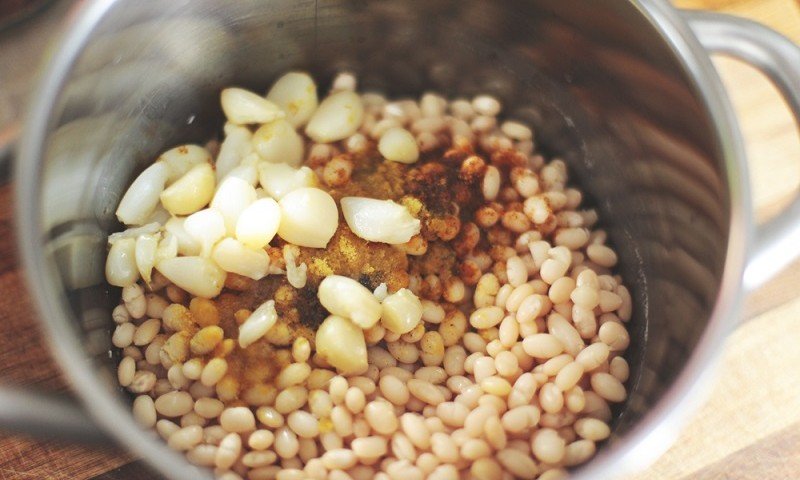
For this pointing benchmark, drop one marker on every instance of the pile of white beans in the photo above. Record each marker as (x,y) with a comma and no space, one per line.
(506,371)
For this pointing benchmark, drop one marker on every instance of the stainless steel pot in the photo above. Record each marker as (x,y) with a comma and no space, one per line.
(624,91)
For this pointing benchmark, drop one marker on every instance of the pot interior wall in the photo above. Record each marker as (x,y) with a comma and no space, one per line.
(600,87)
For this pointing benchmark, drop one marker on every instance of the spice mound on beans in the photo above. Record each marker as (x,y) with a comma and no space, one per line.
(354,287)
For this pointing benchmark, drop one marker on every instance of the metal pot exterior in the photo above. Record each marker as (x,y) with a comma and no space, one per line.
(623,91)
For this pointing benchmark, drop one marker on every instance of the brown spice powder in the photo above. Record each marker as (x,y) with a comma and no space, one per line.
(442,190)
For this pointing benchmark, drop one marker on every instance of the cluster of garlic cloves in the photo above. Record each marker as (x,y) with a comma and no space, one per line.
(195,218)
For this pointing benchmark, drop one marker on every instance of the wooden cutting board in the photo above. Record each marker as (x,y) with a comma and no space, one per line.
(748,429)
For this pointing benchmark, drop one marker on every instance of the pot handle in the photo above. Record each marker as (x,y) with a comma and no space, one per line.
(777,242)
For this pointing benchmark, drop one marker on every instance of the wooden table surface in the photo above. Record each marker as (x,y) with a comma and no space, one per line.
(748,429)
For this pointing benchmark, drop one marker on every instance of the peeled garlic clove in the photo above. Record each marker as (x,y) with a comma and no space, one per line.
(197,275)
(337,117)
(142,196)
(180,160)
(146,246)
(342,344)
(296,275)
(381,292)
(402,311)
(296,94)
(278,142)
(234,257)
(191,192)
(344,81)
(398,145)
(258,223)
(134,233)
(257,324)
(248,173)
(160,216)
(243,106)
(252,160)
(347,298)
(278,179)
(121,268)
(379,220)
(236,145)
(232,197)
(308,217)
(187,244)
(167,247)
(206,227)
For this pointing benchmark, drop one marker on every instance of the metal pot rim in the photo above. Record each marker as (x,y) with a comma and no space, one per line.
(653,434)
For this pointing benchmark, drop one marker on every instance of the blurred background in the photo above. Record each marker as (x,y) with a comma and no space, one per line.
(750,427)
